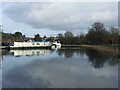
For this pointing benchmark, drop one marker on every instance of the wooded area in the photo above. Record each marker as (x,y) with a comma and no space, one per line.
(96,35)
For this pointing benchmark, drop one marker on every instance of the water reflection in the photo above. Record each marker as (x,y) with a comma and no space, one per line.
(29,52)
(62,68)
(69,52)
(96,58)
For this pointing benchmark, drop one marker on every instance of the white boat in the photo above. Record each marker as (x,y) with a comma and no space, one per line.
(56,45)
(37,44)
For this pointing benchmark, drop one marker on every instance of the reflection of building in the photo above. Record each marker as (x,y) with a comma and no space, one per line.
(29,52)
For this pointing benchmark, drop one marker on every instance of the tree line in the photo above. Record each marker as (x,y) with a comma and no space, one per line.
(8,37)
(96,35)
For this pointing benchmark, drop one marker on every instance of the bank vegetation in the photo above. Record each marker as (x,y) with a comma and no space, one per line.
(106,39)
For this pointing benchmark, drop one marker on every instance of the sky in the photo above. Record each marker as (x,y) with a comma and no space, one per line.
(51,18)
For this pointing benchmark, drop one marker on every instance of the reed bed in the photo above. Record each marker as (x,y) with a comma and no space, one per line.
(105,50)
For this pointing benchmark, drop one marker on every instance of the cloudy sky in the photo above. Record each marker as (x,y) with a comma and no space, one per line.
(51,18)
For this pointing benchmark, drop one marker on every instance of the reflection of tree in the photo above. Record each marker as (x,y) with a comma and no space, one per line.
(59,52)
(113,61)
(98,59)
(69,52)
(6,52)
(66,52)
(82,51)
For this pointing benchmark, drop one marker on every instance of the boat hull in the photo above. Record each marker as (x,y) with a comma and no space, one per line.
(41,47)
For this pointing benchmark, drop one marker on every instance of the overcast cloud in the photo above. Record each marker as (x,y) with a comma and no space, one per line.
(63,16)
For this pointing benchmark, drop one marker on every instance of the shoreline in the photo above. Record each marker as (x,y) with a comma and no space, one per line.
(108,50)
(105,49)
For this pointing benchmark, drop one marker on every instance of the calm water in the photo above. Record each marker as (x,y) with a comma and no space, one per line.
(63,68)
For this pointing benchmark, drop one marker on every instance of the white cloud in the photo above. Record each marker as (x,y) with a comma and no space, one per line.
(65,16)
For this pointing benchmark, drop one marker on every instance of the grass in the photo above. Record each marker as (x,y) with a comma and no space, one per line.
(109,46)
(106,49)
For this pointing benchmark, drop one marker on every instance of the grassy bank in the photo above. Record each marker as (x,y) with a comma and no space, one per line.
(106,49)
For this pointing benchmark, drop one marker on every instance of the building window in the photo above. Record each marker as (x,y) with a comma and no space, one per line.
(33,43)
(38,43)
(44,43)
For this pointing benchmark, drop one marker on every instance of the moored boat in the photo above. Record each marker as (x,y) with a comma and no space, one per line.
(56,45)
(35,44)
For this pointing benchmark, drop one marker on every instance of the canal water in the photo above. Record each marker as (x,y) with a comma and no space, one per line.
(59,68)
